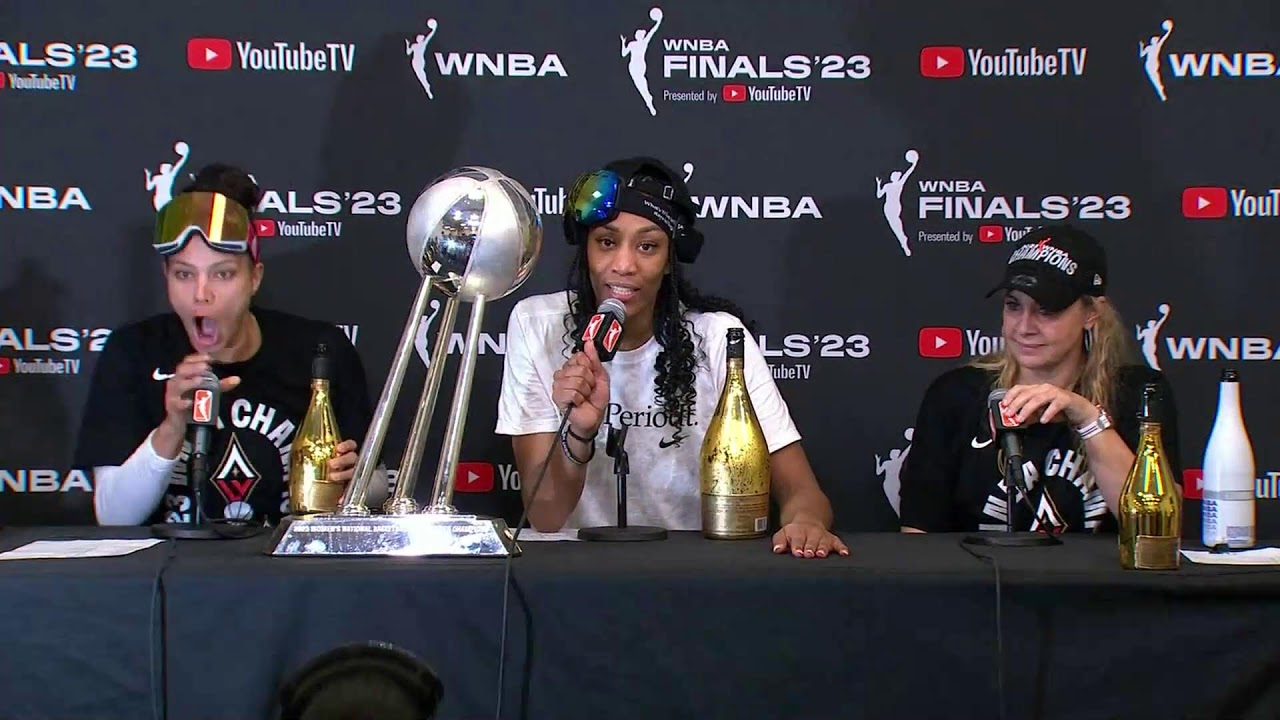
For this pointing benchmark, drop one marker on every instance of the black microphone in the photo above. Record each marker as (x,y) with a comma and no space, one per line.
(202,421)
(604,328)
(1006,426)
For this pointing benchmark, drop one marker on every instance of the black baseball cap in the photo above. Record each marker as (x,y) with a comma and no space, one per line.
(1056,265)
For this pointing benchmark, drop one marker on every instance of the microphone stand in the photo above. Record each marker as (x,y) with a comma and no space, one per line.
(1014,484)
(197,476)
(200,527)
(615,448)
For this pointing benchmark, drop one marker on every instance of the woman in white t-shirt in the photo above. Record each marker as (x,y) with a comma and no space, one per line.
(633,225)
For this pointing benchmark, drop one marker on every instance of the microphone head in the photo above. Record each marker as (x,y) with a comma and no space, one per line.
(205,399)
(1000,421)
(604,329)
(614,307)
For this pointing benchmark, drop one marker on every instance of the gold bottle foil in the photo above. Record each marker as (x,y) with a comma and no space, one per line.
(735,462)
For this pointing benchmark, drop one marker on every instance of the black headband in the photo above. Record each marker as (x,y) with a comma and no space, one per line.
(662,214)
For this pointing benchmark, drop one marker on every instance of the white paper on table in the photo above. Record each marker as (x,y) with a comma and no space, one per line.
(1259,556)
(558,536)
(60,549)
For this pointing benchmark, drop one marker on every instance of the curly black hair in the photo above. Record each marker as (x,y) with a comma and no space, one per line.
(677,363)
(228,180)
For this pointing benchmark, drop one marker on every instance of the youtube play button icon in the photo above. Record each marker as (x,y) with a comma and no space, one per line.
(473,477)
(734,93)
(942,61)
(941,342)
(209,54)
(1200,203)
(991,234)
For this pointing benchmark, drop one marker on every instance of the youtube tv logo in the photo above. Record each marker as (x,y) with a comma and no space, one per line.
(209,54)
(6,366)
(264,227)
(941,342)
(991,234)
(734,93)
(942,61)
(1200,203)
(473,477)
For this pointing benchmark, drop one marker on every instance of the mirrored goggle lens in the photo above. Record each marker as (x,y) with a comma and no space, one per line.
(223,222)
(595,197)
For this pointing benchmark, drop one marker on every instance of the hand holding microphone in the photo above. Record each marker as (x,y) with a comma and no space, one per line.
(1046,403)
(1006,426)
(581,385)
(179,390)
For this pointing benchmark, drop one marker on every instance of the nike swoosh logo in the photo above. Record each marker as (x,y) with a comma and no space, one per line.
(974,443)
(676,438)
(156,374)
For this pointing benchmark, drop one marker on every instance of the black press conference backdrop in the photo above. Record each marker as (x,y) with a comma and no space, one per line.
(861,167)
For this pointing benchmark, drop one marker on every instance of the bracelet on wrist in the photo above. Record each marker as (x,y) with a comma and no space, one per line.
(576,436)
(1097,427)
(568,452)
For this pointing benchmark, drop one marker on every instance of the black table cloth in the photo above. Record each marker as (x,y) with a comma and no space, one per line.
(80,638)
(905,627)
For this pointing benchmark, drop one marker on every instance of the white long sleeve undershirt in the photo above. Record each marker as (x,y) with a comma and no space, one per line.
(127,494)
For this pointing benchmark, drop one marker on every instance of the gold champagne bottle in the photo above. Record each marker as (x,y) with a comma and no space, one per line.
(734,470)
(1150,503)
(310,490)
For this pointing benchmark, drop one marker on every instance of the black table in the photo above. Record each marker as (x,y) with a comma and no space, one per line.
(80,638)
(906,627)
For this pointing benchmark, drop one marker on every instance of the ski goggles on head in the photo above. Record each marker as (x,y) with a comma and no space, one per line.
(594,198)
(222,222)
(599,196)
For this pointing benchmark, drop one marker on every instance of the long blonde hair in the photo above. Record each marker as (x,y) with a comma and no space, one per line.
(1112,347)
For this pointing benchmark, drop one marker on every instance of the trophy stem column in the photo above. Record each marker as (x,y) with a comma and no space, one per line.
(370,450)
(442,492)
(402,502)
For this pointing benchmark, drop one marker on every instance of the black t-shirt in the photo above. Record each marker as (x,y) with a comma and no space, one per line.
(952,480)
(257,419)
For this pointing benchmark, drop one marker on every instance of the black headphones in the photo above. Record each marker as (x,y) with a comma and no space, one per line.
(650,177)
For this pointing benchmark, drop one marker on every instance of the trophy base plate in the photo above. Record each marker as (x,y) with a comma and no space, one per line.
(420,535)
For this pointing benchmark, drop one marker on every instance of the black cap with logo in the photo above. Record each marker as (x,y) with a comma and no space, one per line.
(1056,265)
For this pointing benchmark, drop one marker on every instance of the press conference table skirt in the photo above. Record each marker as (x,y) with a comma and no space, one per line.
(906,627)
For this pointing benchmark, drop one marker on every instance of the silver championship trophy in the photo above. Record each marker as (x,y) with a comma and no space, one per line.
(474,235)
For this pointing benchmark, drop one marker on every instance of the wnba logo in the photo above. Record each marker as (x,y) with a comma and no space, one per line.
(202,406)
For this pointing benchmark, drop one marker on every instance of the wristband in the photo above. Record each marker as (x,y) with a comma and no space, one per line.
(569,429)
(564,446)
(1096,427)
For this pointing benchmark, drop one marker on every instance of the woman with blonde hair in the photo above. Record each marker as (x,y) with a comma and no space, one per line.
(1069,369)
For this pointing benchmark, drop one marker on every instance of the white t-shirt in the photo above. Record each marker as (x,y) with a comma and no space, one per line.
(662,486)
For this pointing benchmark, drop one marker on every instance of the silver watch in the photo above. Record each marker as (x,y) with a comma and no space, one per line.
(1102,423)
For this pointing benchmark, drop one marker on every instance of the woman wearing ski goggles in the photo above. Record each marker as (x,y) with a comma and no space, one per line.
(142,396)
(598,197)
(631,224)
